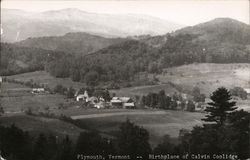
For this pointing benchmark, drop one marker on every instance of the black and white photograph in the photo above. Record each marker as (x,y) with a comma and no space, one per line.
(125,80)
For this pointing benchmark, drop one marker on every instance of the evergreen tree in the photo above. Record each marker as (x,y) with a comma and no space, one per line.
(240,122)
(162,100)
(220,107)
(71,92)
(165,147)
(133,140)
(190,106)
(40,148)
(65,149)
(92,143)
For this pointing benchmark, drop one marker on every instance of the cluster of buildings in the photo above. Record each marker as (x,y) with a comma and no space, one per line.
(99,102)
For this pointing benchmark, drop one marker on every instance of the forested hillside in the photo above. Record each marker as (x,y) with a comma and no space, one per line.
(79,42)
(124,60)
(15,59)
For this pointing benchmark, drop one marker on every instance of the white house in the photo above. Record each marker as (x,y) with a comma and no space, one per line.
(1,79)
(247,90)
(82,97)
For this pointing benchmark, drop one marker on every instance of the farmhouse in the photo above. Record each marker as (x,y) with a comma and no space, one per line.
(247,90)
(122,102)
(38,90)
(82,97)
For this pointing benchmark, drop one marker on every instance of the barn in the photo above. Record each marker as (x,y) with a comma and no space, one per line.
(123,102)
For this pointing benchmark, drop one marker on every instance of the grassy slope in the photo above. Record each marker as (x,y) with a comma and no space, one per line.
(158,123)
(16,98)
(36,125)
(43,77)
(208,77)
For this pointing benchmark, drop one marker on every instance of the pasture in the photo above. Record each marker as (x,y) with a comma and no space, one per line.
(18,98)
(157,122)
(42,77)
(207,76)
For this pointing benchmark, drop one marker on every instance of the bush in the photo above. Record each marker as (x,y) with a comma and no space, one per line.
(239,92)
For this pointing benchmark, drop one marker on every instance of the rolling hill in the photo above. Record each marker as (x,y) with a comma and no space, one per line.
(19,25)
(79,42)
(153,54)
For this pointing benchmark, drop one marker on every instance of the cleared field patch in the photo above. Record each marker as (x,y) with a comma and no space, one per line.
(143,90)
(34,102)
(208,76)
(42,77)
(17,98)
(158,123)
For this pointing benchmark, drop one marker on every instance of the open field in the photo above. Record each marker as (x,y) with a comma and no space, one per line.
(157,122)
(208,76)
(36,125)
(143,90)
(43,77)
(17,98)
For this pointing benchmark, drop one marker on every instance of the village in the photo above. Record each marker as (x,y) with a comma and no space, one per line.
(104,99)
(101,103)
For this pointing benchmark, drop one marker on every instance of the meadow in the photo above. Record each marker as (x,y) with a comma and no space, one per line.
(42,77)
(158,122)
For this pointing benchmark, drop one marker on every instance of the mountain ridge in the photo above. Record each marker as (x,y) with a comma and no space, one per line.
(22,25)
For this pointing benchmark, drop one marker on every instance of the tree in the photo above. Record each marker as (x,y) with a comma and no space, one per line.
(60,89)
(165,147)
(190,106)
(1,109)
(238,91)
(133,140)
(14,143)
(240,122)
(71,92)
(162,100)
(92,143)
(198,97)
(91,78)
(220,107)
(40,148)
(65,149)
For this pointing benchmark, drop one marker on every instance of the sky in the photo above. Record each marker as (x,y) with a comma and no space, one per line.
(185,12)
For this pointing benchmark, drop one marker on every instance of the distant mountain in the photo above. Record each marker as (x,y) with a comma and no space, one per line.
(19,25)
(79,42)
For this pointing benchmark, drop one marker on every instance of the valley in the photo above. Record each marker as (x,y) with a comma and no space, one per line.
(17,98)
(132,74)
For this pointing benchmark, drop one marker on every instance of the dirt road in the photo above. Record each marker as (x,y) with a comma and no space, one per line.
(98,115)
